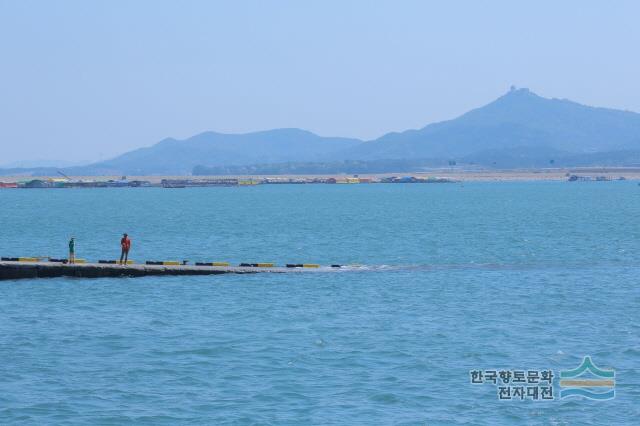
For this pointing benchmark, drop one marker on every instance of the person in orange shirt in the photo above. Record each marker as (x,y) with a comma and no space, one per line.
(125,245)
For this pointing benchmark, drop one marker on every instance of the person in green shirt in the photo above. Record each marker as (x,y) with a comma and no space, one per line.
(72,250)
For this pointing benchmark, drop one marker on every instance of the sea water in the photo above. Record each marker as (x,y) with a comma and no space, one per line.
(452,278)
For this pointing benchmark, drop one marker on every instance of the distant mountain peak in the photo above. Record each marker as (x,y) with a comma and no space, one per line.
(521,93)
(174,156)
(517,120)
(519,90)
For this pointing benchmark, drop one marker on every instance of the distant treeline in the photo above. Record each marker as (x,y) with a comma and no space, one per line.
(518,157)
(315,168)
(524,157)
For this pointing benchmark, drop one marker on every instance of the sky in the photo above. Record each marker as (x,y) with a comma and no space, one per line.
(84,81)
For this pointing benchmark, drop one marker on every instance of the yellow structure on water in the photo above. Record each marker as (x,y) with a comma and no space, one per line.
(349,180)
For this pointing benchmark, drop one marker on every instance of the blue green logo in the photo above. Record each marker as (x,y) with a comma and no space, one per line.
(588,381)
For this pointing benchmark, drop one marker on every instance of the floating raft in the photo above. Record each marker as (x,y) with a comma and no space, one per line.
(16,269)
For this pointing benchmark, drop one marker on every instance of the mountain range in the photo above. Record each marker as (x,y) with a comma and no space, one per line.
(171,156)
(519,129)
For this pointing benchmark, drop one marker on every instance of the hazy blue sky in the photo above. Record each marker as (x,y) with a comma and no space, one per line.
(85,80)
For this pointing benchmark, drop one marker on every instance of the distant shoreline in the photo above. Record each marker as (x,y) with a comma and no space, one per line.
(610,173)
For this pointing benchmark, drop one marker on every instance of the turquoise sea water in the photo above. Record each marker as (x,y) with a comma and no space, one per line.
(455,278)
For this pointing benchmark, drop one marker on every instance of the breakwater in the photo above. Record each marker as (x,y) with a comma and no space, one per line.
(33,268)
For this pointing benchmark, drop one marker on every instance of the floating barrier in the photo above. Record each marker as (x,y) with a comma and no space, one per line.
(165,262)
(38,259)
(212,264)
(303,265)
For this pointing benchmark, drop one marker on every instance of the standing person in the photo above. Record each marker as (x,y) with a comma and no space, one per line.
(72,250)
(125,245)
